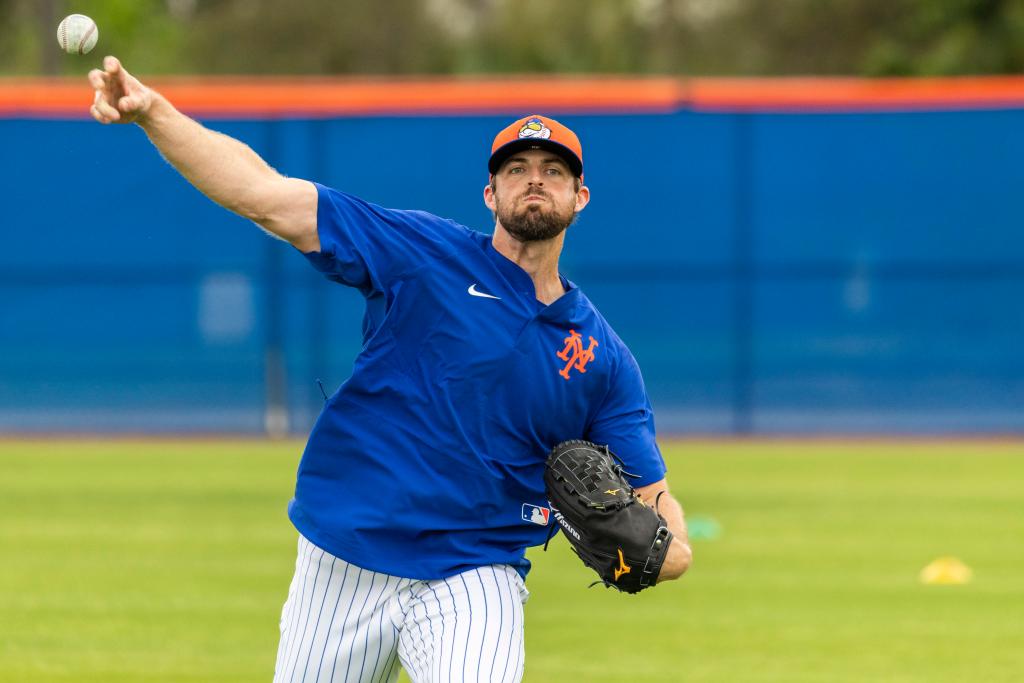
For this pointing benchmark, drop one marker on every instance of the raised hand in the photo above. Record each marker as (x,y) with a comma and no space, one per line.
(120,97)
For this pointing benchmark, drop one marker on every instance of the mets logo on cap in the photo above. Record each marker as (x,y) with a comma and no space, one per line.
(535,128)
(537,132)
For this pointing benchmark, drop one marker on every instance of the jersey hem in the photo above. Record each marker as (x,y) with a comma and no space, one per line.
(315,535)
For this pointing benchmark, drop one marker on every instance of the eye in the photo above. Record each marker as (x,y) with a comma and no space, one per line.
(515,170)
(554,170)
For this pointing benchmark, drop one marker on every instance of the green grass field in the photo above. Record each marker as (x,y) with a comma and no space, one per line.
(170,560)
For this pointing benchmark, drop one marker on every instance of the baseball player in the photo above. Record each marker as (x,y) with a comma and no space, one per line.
(421,484)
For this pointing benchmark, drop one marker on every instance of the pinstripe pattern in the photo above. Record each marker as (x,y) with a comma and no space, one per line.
(468,627)
(342,623)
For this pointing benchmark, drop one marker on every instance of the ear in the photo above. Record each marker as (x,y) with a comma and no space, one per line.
(582,198)
(489,197)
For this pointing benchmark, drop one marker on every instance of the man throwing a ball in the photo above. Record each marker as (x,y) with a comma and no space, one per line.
(422,483)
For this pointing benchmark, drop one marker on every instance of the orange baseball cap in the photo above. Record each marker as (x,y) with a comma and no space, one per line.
(537,132)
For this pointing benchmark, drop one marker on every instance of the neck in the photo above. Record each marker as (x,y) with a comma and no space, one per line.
(538,259)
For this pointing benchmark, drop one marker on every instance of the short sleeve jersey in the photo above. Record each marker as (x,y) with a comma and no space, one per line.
(429,459)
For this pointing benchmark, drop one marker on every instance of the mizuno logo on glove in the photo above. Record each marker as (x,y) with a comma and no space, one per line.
(623,568)
(565,525)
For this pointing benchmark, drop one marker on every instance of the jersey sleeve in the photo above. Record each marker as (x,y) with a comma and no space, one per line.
(370,247)
(625,421)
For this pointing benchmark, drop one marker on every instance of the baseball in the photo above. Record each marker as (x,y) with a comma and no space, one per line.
(77,34)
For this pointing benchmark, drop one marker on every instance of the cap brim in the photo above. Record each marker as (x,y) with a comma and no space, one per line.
(510,148)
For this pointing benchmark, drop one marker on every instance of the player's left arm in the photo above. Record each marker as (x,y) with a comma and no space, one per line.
(680,554)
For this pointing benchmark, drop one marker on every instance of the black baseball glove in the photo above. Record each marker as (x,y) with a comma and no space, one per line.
(610,528)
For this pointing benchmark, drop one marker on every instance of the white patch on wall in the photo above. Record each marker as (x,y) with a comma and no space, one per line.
(226,311)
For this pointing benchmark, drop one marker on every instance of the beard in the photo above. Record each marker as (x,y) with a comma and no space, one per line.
(534,223)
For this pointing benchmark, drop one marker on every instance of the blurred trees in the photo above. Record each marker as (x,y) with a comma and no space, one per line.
(713,37)
(872,37)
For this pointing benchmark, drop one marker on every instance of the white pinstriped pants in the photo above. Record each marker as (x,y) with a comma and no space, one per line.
(344,623)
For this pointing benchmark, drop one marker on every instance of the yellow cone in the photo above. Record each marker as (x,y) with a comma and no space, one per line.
(946,571)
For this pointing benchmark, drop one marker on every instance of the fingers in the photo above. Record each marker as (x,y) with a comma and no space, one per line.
(98,79)
(109,86)
(102,111)
(111,72)
(128,104)
(112,65)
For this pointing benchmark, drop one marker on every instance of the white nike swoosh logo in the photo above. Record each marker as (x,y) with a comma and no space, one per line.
(473,292)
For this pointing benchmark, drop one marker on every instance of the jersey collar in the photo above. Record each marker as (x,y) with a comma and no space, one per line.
(523,284)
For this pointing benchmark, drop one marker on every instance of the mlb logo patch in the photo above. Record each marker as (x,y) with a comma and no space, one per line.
(536,514)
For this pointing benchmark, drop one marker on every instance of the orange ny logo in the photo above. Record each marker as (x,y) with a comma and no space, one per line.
(575,355)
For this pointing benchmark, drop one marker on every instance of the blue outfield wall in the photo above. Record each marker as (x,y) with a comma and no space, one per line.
(772,272)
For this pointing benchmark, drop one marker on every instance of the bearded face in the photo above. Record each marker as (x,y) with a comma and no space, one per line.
(533,214)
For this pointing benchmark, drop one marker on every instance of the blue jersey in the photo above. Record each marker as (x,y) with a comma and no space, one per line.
(429,459)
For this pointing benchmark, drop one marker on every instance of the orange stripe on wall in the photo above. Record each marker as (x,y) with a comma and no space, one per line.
(275,96)
(316,97)
(802,94)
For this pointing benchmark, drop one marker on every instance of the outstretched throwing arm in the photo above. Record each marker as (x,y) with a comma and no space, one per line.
(224,169)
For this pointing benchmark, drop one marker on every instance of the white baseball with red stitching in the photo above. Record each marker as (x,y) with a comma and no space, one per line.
(77,34)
